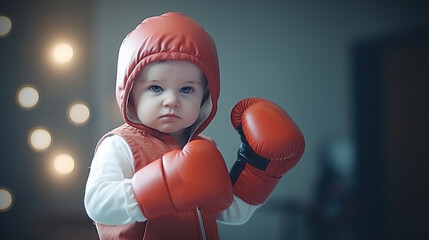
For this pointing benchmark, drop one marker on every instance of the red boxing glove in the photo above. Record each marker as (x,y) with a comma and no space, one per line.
(271,145)
(184,179)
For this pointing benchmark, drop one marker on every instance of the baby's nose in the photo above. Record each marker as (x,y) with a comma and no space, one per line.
(171,100)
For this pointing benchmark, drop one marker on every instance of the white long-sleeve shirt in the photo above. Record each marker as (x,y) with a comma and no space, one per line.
(109,198)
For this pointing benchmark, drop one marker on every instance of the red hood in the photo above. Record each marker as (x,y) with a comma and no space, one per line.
(171,36)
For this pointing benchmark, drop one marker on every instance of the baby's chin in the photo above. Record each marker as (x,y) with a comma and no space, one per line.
(182,132)
(172,131)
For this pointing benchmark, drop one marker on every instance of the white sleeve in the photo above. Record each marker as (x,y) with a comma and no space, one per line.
(109,198)
(238,213)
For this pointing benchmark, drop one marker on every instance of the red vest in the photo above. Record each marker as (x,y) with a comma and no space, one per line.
(147,146)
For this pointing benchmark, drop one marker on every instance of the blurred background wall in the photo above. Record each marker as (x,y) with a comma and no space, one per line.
(353,76)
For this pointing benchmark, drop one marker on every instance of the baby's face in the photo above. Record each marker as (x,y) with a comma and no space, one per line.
(167,95)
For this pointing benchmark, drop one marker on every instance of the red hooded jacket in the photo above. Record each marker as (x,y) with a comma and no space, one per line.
(171,36)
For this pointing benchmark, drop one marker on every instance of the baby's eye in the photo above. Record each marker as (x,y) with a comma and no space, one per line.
(187,90)
(155,88)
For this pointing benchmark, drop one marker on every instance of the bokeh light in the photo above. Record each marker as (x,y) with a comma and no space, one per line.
(63,164)
(39,139)
(27,97)
(78,113)
(62,53)
(5,25)
(6,200)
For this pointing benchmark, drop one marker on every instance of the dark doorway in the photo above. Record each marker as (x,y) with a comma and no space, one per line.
(391,77)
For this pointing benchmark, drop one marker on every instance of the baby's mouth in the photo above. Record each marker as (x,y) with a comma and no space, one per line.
(170,115)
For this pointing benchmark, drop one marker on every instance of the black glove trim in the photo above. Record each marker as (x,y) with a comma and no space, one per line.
(236,169)
(246,155)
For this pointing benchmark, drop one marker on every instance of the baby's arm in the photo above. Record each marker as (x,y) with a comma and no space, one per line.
(109,198)
(239,212)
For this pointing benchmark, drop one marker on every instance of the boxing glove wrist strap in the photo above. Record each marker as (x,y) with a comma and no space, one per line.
(246,155)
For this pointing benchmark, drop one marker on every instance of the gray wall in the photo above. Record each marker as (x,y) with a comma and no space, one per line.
(296,54)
